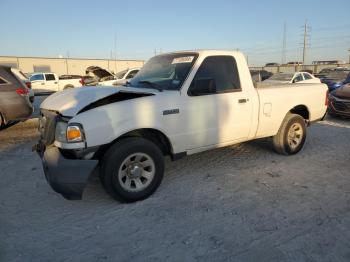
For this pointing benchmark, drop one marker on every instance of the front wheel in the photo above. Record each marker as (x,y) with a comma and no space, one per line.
(132,169)
(291,136)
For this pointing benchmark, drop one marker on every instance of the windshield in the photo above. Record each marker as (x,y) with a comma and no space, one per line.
(165,72)
(282,77)
(121,74)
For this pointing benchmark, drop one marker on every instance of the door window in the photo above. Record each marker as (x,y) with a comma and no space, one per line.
(217,74)
(37,77)
(298,78)
(132,74)
(50,77)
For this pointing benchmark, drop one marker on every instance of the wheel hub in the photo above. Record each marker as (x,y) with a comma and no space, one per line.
(135,171)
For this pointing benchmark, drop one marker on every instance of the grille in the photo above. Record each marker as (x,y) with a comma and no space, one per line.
(341,106)
(47,127)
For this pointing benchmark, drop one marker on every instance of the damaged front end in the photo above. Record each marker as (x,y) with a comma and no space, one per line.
(66,159)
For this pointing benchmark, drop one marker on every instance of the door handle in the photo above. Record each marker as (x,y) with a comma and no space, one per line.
(55,82)
(243,100)
(42,84)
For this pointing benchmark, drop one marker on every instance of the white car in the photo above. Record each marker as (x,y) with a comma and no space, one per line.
(50,82)
(178,104)
(288,78)
(126,75)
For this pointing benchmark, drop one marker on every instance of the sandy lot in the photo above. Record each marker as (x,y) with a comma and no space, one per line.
(241,203)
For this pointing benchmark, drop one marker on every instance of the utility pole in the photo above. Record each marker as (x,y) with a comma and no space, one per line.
(349,55)
(67,56)
(284,44)
(305,39)
(115,53)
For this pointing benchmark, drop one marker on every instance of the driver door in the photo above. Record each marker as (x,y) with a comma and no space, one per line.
(219,108)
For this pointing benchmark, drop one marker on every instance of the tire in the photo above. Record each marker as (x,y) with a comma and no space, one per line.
(132,169)
(291,136)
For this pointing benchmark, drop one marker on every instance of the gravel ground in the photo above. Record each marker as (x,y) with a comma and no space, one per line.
(240,203)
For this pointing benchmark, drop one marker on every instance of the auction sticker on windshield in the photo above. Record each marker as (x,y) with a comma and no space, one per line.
(184,59)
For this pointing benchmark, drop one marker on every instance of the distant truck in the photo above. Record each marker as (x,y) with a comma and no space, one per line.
(50,82)
(179,104)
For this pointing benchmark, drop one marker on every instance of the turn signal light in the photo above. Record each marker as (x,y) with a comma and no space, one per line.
(74,134)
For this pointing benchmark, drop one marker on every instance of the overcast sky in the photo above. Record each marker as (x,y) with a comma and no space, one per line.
(88,28)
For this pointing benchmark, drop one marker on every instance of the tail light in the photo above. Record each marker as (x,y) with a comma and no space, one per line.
(29,85)
(327,98)
(22,91)
(81,81)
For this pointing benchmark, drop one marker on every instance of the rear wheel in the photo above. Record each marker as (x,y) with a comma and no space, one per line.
(291,136)
(132,169)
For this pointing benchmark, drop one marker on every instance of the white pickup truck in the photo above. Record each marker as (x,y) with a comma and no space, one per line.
(178,104)
(50,82)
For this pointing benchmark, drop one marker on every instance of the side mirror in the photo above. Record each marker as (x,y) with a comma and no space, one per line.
(202,86)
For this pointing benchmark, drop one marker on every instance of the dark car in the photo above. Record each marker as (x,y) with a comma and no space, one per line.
(272,64)
(260,75)
(326,71)
(336,79)
(339,101)
(14,97)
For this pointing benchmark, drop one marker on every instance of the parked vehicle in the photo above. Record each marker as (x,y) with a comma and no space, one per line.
(339,101)
(178,104)
(126,75)
(14,98)
(288,78)
(260,75)
(272,64)
(328,62)
(326,71)
(294,63)
(336,79)
(98,76)
(19,74)
(50,82)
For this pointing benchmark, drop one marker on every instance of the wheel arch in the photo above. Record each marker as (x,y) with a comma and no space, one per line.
(301,110)
(154,135)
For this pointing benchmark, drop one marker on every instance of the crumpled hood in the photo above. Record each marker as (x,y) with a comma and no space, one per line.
(98,72)
(71,101)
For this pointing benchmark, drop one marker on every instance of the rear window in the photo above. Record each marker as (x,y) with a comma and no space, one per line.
(307,76)
(2,81)
(19,74)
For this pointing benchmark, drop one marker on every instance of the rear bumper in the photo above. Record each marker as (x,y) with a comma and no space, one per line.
(66,176)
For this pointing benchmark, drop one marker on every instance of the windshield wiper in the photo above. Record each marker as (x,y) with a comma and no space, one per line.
(152,84)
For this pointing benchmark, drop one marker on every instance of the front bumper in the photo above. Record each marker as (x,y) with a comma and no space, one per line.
(66,176)
(339,107)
